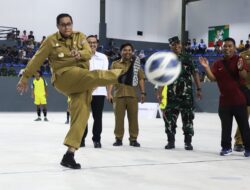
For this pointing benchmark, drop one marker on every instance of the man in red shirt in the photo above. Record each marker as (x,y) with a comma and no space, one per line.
(229,73)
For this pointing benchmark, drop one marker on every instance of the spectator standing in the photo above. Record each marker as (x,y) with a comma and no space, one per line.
(125,97)
(247,45)
(228,73)
(238,145)
(241,46)
(31,36)
(180,98)
(194,46)
(24,38)
(202,46)
(98,61)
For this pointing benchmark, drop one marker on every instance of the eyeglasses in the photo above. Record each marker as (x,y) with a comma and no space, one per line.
(92,42)
(66,24)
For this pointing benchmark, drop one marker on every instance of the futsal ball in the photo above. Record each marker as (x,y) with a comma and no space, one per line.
(162,68)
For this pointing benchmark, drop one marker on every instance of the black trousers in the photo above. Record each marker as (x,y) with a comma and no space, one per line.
(97,105)
(241,116)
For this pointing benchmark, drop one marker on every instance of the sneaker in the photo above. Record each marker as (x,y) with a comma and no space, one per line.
(69,161)
(118,142)
(97,145)
(239,148)
(170,145)
(134,143)
(38,119)
(247,153)
(226,151)
(45,119)
(188,146)
(131,76)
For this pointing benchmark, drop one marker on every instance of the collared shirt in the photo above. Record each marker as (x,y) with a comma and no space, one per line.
(99,61)
(230,93)
(121,90)
(58,51)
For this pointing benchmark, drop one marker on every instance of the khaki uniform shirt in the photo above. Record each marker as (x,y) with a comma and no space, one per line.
(57,50)
(121,90)
(246,56)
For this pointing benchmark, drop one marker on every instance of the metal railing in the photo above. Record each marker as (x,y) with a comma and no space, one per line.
(8,33)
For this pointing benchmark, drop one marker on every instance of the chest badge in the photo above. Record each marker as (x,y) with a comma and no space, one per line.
(61,55)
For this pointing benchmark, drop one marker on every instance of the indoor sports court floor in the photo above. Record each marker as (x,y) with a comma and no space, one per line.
(31,152)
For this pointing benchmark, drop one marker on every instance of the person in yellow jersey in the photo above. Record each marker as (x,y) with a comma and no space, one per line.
(238,145)
(69,53)
(39,94)
(162,96)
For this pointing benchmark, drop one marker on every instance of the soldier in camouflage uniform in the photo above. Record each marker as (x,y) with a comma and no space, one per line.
(180,98)
(238,145)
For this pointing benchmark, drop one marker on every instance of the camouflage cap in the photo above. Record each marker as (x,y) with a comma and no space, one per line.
(173,40)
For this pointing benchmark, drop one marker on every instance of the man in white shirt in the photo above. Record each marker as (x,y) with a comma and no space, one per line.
(202,46)
(98,61)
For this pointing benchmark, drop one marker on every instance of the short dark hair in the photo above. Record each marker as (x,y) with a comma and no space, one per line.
(40,73)
(93,36)
(230,40)
(125,45)
(62,15)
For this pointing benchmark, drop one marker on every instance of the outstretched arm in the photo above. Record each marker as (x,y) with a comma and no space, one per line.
(204,62)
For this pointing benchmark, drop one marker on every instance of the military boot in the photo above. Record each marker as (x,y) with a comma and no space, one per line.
(188,140)
(171,142)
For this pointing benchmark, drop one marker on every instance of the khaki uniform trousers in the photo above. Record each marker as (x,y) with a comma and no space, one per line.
(121,104)
(78,83)
(237,136)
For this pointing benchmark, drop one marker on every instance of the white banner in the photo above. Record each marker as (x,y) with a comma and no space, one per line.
(148,110)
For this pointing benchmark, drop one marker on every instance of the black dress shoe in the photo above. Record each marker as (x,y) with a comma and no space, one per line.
(69,161)
(97,145)
(117,142)
(134,143)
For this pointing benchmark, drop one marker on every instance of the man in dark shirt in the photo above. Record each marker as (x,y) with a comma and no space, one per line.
(31,36)
(229,73)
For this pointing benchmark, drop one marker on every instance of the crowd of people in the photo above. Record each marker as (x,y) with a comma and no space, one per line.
(14,58)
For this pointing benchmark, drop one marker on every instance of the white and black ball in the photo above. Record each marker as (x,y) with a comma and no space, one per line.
(162,68)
